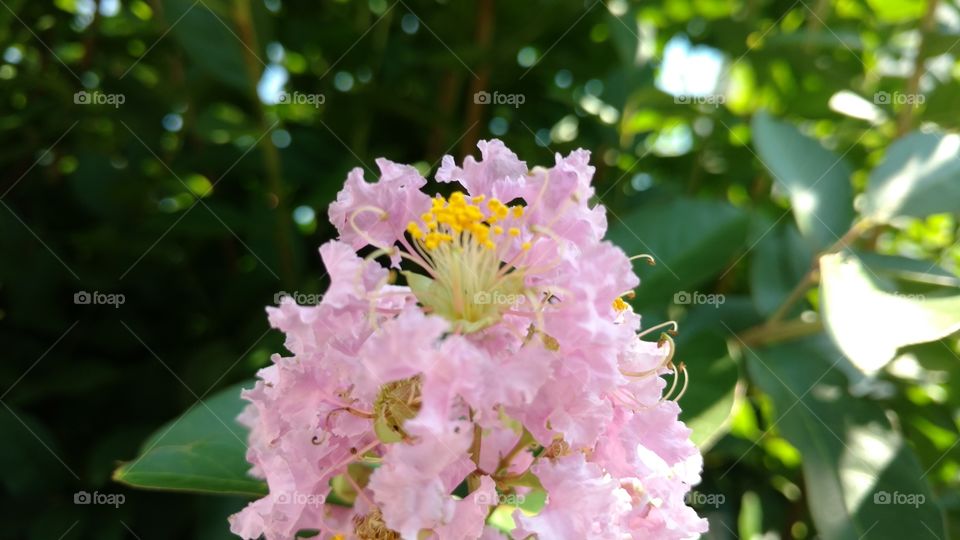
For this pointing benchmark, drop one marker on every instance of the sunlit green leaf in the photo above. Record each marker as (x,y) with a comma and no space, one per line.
(870,323)
(897,11)
(816,179)
(919,176)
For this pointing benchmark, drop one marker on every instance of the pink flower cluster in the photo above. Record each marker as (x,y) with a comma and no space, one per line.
(507,370)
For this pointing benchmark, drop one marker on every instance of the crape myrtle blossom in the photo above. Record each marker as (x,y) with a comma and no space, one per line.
(506,365)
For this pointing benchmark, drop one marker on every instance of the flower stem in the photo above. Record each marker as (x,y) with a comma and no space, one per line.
(525,440)
(812,277)
(767,334)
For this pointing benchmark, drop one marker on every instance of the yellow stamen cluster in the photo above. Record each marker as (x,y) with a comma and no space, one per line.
(464,243)
(619,304)
(460,214)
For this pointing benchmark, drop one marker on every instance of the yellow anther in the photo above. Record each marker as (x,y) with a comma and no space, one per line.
(453,220)
(414,230)
(619,304)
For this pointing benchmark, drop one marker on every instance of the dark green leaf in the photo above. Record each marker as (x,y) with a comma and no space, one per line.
(211,42)
(816,180)
(907,269)
(706,407)
(201,451)
(780,260)
(691,240)
(861,475)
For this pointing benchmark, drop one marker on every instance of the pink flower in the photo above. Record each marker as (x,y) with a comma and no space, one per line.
(378,213)
(583,501)
(506,365)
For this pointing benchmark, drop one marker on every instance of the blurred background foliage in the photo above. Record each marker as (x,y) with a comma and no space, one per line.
(735,140)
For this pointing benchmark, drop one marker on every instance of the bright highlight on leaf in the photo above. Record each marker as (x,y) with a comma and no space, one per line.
(870,324)
(919,176)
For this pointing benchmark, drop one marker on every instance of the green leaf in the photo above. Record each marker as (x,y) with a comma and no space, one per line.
(919,176)
(750,520)
(210,41)
(839,40)
(780,260)
(907,269)
(691,240)
(201,451)
(869,323)
(816,180)
(625,35)
(859,472)
(899,11)
(706,408)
